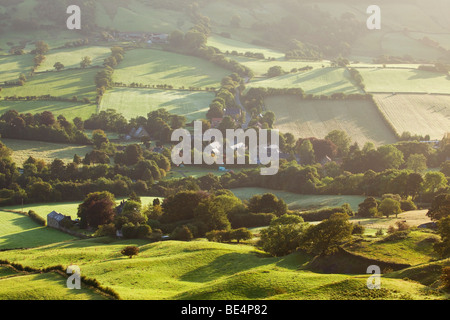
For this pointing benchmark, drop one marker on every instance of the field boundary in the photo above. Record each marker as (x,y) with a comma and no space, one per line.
(90,283)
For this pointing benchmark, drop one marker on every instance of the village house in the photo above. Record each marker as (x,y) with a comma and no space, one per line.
(54,220)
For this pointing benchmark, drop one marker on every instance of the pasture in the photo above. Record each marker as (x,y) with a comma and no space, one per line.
(316,118)
(19,231)
(323,81)
(47,151)
(417,113)
(65,84)
(302,202)
(387,80)
(132,103)
(70,110)
(71,57)
(157,67)
(45,286)
(205,270)
(12,66)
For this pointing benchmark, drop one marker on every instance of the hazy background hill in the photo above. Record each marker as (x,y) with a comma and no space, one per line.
(309,28)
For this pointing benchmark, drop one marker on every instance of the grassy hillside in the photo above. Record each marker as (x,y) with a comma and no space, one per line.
(417,248)
(416,113)
(132,103)
(19,231)
(317,118)
(204,270)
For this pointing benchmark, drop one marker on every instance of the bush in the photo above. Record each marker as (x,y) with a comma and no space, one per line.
(379,233)
(358,229)
(445,277)
(182,233)
(396,235)
(407,205)
(130,251)
(36,218)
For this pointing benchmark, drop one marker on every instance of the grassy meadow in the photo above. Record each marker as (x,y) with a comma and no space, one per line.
(384,80)
(71,57)
(323,81)
(300,201)
(19,231)
(64,84)
(205,270)
(156,67)
(359,119)
(70,110)
(47,151)
(12,66)
(44,286)
(133,103)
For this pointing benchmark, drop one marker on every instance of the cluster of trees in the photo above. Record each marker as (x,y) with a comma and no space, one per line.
(357,78)
(289,233)
(193,42)
(390,204)
(41,126)
(440,213)
(104,78)
(162,86)
(159,123)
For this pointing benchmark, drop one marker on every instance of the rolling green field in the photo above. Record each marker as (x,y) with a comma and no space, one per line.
(19,231)
(47,151)
(71,58)
(404,80)
(324,81)
(132,103)
(300,201)
(155,67)
(206,270)
(416,113)
(65,84)
(70,110)
(12,66)
(317,118)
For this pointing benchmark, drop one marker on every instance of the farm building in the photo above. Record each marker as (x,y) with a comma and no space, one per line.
(138,133)
(54,220)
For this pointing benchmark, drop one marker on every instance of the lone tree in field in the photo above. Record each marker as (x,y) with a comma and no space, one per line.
(58,66)
(130,251)
(85,62)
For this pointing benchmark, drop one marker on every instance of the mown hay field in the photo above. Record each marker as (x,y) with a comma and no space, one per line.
(304,119)
(417,113)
